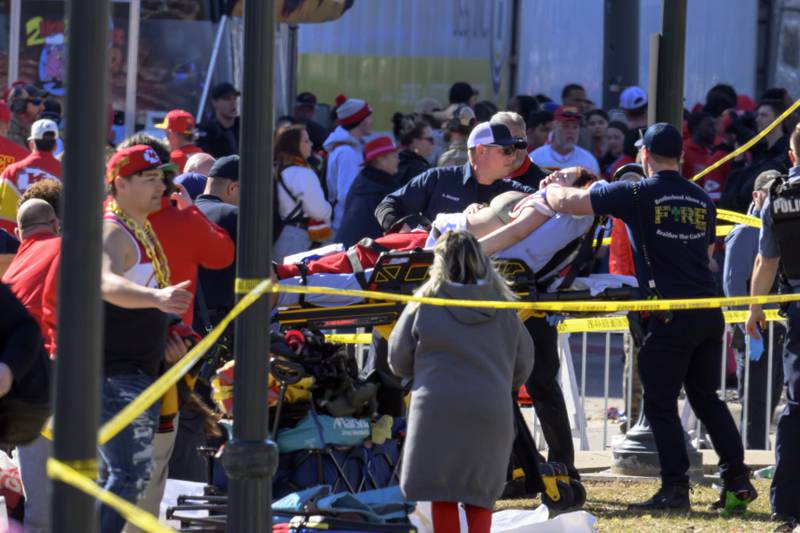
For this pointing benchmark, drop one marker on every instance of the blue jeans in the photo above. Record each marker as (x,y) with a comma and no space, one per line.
(785,490)
(127,459)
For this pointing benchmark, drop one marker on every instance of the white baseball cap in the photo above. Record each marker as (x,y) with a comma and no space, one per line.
(493,134)
(632,97)
(42,126)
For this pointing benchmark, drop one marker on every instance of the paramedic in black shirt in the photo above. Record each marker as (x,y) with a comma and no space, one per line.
(672,223)
(492,153)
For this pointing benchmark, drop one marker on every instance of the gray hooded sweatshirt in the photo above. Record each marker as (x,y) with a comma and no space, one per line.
(464,362)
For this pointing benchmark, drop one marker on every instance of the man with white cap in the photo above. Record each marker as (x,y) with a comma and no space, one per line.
(345,151)
(492,154)
(41,164)
(633,101)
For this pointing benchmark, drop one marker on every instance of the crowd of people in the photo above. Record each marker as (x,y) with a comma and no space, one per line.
(169,237)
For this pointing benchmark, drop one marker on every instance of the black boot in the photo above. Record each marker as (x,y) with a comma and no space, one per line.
(735,495)
(671,496)
(786,523)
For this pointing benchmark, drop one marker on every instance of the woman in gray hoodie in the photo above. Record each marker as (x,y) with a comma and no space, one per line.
(464,362)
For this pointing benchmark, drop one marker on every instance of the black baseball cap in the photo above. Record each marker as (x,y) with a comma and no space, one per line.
(225,167)
(662,139)
(221,90)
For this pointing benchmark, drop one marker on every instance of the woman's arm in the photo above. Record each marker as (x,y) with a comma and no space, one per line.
(403,344)
(526,223)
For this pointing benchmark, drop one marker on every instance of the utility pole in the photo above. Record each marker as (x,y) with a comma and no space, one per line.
(620,48)
(250,459)
(669,104)
(80,312)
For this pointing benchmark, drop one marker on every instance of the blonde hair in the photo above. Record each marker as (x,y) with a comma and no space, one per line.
(458,258)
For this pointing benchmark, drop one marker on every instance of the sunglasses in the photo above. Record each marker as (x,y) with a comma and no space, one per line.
(35,101)
(511,148)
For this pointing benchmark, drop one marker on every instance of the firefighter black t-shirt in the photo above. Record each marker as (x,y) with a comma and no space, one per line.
(677,224)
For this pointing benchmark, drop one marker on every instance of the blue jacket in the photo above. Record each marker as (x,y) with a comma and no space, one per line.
(741,247)
(367,191)
(441,190)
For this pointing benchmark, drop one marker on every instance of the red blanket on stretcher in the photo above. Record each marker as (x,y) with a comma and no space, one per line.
(338,263)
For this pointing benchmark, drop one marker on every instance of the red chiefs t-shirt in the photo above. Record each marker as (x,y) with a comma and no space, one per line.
(697,158)
(36,257)
(181,155)
(16,179)
(10,153)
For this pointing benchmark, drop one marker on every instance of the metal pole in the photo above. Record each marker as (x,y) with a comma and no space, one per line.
(652,72)
(628,342)
(291,68)
(134,15)
(13,41)
(620,52)
(605,390)
(250,459)
(583,372)
(746,403)
(78,366)
(669,106)
(768,415)
(212,64)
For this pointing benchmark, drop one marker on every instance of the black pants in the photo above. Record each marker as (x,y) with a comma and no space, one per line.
(544,390)
(785,490)
(686,352)
(756,400)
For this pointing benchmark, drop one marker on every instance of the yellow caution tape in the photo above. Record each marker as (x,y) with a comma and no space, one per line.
(244,285)
(749,144)
(144,520)
(605,323)
(353,338)
(597,306)
(169,378)
(739,218)
(153,393)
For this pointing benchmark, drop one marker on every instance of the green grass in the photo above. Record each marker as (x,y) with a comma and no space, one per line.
(608,501)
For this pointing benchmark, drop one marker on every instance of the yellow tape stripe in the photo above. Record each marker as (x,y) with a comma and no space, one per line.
(244,286)
(353,338)
(169,378)
(738,218)
(588,306)
(153,393)
(61,472)
(749,144)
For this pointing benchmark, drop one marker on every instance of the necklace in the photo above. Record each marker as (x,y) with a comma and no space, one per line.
(147,238)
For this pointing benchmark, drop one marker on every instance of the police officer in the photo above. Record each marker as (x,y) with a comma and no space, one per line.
(672,223)
(492,154)
(780,224)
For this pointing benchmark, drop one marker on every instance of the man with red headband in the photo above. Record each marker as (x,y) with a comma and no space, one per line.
(138,295)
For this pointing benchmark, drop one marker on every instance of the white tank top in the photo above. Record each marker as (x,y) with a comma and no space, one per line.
(142,272)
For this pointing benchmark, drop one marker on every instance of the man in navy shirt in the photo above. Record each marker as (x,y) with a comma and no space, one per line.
(492,154)
(672,223)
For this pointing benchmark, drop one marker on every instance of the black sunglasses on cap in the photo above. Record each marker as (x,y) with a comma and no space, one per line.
(511,148)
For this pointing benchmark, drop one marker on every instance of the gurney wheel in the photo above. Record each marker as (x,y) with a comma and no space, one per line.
(566,497)
(578,492)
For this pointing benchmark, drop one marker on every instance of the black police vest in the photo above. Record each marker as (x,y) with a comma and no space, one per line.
(785,210)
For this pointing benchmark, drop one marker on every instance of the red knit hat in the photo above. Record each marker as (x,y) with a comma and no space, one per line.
(351,111)
(378,147)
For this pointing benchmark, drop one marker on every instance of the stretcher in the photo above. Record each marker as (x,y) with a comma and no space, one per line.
(401,272)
